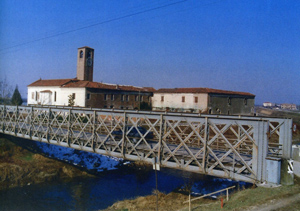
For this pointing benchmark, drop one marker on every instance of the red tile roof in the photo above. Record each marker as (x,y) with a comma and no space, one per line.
(68,83)
(51,82)
(202,90)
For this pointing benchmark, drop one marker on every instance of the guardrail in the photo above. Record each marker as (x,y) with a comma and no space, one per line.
(205,195)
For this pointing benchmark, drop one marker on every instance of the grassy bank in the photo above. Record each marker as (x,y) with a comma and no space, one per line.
(21,167)
(248,199)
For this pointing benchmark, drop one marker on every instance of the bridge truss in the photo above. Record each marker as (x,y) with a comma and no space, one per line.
(233,147)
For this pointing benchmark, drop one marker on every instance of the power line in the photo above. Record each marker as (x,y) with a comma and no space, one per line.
(95,24)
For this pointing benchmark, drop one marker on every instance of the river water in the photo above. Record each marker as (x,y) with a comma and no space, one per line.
(102,191)
(110,185)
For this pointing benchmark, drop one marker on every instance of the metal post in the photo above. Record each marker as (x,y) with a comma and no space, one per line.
(69,128)
(227,197)
(31,123)
(190,201)
(4,117)
(48,125)
(94,131)
(17,120)
(124,135)
(206,138)
(285,138)
(161,130)
(156,183)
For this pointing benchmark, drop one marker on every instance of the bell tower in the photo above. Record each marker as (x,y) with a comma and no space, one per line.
(85,63)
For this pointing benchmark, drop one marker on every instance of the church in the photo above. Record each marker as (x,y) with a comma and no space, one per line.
(84,92)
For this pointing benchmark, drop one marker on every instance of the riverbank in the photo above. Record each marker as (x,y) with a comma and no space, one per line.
(257,198)
(21,167)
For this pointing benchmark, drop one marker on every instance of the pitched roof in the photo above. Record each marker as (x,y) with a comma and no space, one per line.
(51,82)
(97,85)
(74,83)
(202,90)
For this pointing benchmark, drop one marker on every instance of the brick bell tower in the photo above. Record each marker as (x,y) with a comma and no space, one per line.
(85,63)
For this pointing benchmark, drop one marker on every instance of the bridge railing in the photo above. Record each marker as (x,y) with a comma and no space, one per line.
(225,146)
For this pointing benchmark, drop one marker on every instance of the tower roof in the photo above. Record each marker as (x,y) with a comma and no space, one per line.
(86,47)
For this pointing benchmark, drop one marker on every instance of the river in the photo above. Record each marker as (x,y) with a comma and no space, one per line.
(110,185)
(102,191)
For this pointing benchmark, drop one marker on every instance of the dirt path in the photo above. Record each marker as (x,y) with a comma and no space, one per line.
(278,204)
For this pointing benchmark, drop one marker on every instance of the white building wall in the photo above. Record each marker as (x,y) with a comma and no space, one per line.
(35,96)
(80,95)
(174,101)
(268,104)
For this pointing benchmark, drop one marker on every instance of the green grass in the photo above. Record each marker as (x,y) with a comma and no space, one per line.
(27,157)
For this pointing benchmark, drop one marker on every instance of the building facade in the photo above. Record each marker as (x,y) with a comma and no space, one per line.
(288,106)
(203,100)
(85,92)
(268,104)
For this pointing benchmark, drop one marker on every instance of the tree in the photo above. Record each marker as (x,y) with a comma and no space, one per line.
(71,101)
(5,91)
(16,98)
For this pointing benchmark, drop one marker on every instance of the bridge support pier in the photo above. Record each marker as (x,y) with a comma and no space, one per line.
(287,174)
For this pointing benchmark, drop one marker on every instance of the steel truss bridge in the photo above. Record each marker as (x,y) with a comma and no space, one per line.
(233,147)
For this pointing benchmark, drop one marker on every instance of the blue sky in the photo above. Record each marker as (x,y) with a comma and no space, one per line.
(239,45)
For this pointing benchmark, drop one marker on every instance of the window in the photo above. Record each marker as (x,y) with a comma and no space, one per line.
(73,95)
(32,95)
(112,97)
(141,98)
(88,95)
(136,98)
(121,107)
(149,99)
(89,54)
(196,99)
(37,96)
(122,98)
(54,96)
(229,101)
(183,99)
(111,106)
(105,97)
(81,54)
(245,101)
(162,98)
(127,98)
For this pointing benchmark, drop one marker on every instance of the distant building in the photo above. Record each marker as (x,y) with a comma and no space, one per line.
(85,92)
(288,106)
(268,104)
(203,100)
